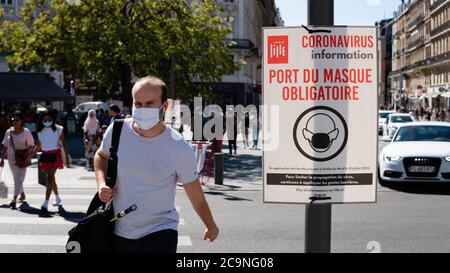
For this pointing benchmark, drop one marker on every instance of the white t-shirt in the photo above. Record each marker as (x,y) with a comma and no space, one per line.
(50,139)
(147,174)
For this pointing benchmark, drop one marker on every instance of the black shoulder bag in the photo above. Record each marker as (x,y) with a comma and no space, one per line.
(95,233)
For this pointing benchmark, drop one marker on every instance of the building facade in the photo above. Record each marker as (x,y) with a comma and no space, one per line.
(384,29)
(420,61)
(247,17)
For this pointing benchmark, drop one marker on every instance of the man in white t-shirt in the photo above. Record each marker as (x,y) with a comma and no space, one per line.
(152,158)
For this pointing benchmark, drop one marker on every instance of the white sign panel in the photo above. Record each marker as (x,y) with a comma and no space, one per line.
(323,83)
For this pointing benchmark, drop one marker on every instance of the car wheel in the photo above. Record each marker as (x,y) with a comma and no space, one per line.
(382,182)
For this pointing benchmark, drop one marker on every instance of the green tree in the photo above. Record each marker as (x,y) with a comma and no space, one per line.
(109,40)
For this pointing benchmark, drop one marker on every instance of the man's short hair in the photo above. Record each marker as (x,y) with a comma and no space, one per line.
(153,81)
(114,108)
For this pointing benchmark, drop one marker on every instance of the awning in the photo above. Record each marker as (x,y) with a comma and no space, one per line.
(446,94)
(21,87)
(435,95)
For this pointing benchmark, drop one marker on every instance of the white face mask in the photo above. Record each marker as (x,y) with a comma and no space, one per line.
(146,118)
(47,123)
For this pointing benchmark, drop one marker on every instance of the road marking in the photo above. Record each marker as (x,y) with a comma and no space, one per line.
(33,240)
(58,220)
(52,240)
(63,197)
(38,221)
(68,208)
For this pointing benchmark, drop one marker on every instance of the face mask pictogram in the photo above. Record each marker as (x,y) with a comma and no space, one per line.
(321,141)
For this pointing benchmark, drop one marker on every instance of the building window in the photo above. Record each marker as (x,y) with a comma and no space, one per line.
(8,7)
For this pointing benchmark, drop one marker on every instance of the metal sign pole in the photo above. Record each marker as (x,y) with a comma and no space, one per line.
(318,216)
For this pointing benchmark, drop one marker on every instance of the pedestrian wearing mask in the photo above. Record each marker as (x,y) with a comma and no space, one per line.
(152,159)
(18,143)
(50,142)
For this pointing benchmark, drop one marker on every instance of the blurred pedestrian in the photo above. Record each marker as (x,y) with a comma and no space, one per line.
(102,132)
(114,113)
(50,135)
(101,116)
(246,130)
(4,124)
(126,112)
(254,122)
(434,114)
(443,115)
(91,131)
(18,143)
(231,129)
(412,114)
(428,115)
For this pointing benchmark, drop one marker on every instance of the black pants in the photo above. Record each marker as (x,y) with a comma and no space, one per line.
(231,144)
(164,241)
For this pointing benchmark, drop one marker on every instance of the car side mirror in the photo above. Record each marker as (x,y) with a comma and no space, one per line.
(387,139)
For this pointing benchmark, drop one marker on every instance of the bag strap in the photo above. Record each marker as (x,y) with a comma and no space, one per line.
(111,174)
(12,141)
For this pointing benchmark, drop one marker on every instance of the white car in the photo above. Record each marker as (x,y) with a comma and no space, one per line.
(419,152)
(382,117)
(86,106)
(394,121)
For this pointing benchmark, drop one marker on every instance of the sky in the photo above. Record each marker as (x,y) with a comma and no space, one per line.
(347,12)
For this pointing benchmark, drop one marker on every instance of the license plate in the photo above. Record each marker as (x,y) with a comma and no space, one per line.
(422,169)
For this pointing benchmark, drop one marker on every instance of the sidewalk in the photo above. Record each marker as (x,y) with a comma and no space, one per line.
(242,172)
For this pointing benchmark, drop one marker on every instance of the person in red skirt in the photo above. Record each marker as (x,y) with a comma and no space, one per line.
(50,141)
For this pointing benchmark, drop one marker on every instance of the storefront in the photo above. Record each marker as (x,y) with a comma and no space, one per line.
(30,92)
(438,97)
(27,88)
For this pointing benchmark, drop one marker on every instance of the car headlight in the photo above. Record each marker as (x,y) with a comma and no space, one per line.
(447,159)
(388,158)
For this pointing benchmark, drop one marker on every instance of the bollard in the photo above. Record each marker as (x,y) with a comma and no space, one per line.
(218,168)
(42,177)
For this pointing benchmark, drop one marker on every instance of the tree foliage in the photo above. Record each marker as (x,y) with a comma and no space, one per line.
(106,40)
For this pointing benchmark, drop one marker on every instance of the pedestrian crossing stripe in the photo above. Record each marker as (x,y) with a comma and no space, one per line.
(48,221)
(68,208)
(56,240)
(63,196)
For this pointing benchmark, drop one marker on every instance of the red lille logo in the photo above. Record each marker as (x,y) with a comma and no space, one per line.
(278,49)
